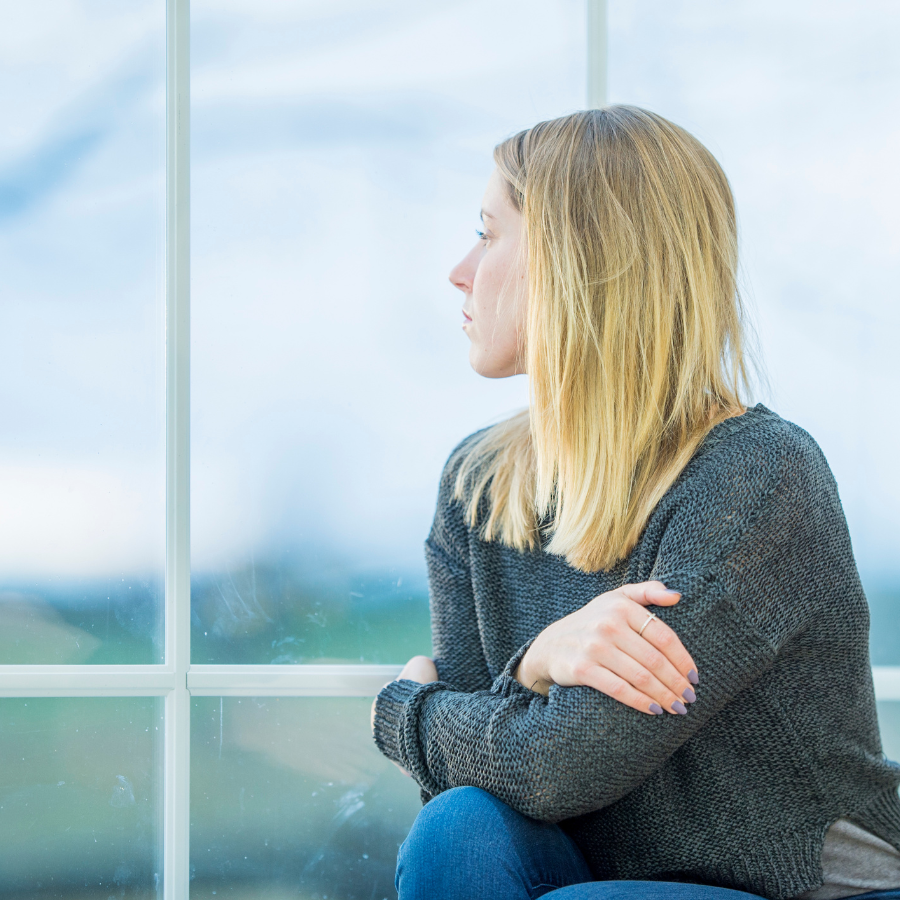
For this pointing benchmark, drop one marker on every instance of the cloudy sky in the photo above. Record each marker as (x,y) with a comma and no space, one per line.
(340,151)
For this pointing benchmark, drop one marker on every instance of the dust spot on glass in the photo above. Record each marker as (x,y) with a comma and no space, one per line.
(123,874)
(350,802)
(123,793)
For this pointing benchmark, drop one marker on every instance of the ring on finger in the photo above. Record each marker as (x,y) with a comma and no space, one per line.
(650,617)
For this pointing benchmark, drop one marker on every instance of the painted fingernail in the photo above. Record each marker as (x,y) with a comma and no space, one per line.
(656,709)
(693,677)
(676,593)
(689,695)
(679,707)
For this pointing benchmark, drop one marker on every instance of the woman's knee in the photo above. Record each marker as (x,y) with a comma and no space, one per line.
(466,836)
(443,850)
(457,816)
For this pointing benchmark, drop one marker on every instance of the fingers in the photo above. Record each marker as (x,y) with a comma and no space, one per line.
(656,632)
(607,682)
(649,593)
(630,655)
(640,676)
(657,635)
(643,656)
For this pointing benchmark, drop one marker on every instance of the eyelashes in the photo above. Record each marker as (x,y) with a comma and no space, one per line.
(481,235)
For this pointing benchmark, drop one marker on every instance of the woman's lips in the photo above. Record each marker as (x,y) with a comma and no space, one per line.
(466,318)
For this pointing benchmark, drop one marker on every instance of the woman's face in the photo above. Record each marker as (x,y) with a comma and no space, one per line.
(492,278)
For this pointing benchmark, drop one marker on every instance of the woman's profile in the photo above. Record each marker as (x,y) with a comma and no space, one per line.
(651,673)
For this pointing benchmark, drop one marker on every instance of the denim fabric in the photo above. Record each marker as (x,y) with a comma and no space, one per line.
(467,845)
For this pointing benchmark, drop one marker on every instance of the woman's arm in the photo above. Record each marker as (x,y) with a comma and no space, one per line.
(745,557)
(458,653)
(614,645)
(576,750)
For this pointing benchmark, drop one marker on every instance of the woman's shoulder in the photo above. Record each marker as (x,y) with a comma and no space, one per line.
(758,505)
(459,450)
(458,456)
(760,451)
(477,451)
(756,474)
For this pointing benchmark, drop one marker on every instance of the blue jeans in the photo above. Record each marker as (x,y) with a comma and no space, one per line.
(468,845)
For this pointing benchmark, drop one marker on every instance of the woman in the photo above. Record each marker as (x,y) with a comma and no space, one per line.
(563,736)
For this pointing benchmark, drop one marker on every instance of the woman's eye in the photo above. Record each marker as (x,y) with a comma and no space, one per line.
(481,235)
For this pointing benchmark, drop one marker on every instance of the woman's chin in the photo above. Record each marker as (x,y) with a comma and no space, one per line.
(490,367)
(490,371)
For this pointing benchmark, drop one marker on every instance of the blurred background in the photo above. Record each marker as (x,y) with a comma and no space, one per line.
(339,155)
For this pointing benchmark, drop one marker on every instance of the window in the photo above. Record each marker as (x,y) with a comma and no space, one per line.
(229,386)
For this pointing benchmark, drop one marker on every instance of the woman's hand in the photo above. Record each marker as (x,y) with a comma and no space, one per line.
(421,669)
(611,645)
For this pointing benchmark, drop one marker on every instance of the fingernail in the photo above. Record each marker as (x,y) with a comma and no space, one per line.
(689,695)
(656,709)
(693,678)
(676,593)
(679,707)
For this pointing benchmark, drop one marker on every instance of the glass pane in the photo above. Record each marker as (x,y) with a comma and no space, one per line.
(82,204)
(81,798)
(799,108)
(340,152)
(290,795)
(889,719)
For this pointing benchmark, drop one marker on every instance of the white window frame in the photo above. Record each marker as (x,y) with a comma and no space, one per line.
(176,680)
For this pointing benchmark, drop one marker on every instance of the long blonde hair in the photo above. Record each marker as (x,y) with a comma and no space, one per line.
(634,342)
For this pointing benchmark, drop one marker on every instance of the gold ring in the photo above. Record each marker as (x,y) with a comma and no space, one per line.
(649,617)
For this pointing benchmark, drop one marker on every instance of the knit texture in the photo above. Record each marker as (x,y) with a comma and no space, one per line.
(783,738)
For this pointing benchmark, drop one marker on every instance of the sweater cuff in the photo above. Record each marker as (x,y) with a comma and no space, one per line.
(505,683)
(390,708)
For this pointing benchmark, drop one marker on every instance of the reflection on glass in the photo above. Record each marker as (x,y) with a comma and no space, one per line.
(340,151)
(280,613)
(290,797)
(800,110)
(80,798)
(82,157)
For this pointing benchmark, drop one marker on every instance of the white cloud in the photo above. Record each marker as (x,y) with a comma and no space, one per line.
(74,519)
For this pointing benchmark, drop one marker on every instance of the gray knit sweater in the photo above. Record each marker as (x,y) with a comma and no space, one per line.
(783,738)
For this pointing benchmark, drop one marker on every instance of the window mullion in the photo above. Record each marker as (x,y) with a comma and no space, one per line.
(887,682)
(289,681)
(85,681)
(597,51)
(178,580)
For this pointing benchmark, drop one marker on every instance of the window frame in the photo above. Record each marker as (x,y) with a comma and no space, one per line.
(176,680)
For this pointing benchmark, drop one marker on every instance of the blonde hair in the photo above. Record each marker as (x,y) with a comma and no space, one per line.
(634,342)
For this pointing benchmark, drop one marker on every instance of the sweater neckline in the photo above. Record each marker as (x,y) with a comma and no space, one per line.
(729,426)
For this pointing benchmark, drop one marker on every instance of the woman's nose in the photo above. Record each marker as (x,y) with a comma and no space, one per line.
(458,279)
(463,274)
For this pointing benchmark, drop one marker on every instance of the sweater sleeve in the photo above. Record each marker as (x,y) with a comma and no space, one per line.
(743,545)
(458,652)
